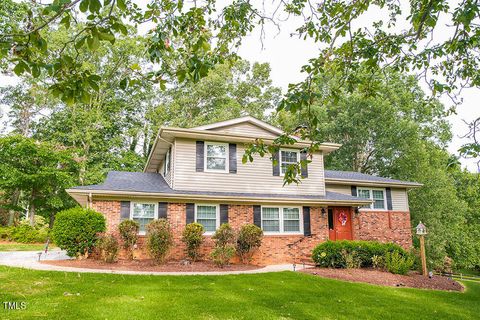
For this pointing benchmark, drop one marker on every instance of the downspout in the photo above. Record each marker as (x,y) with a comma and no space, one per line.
(89,201)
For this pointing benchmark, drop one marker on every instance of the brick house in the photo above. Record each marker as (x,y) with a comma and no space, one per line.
(197,175)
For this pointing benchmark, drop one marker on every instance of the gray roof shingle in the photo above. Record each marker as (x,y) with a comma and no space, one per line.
(351,175)
(154,183)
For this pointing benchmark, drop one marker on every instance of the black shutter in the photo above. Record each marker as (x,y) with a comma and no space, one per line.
(354,191)
(389,198)
(306,222)
(162,210)
(276,163)
(223,213)
(200,156)
(257,216)
(190,213)
(232,158)
(304,167)
(124,210)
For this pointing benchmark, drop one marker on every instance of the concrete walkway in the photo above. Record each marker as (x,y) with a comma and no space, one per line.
(29,260)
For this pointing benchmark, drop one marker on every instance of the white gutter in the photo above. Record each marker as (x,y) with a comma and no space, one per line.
(373,183)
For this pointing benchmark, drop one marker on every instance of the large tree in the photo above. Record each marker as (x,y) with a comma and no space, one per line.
(34,175)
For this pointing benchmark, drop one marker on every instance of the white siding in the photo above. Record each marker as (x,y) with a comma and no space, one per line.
(168,177)
(255,177)
(338,188)
(246,129)
(399,199)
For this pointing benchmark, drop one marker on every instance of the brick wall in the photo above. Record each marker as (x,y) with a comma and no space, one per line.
(275,248)
(390,226)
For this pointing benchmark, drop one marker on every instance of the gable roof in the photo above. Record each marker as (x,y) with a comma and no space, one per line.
(352,177)
(245,119)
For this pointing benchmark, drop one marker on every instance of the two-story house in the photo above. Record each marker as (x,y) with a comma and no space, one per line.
(197,175)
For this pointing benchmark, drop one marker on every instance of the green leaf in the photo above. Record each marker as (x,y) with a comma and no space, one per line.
(84,6)
(20,68)
(35,71)
(93,42)
(106,36)
(135,66)
(95,6)
(121,5)
(123,83)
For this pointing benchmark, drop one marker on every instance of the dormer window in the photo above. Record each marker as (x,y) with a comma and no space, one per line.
(216,155)
(287,157)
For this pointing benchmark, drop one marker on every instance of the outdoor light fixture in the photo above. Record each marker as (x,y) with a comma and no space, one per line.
(323,212)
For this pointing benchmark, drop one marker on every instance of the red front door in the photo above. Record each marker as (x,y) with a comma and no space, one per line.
(342,223)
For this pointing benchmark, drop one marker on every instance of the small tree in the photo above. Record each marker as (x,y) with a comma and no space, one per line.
(224,245)
(193,239)
(249,239)
(76,230)
(159,240)
(128,230)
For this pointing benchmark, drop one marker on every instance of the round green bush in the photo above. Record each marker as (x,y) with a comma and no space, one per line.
(128,230)
(249,239)
(224,235)
(332,254)
(193,238)
(76,230)
(159,239)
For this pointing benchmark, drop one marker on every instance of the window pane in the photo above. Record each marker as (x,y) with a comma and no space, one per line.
(216,151)
(271,225)
(291,213)
(379,204)
(210,225)
(291,225)
(377,194)
(270,213)
(206,212)
(216,163)
(289,156)
(144,210)
(364,193)
(143,223)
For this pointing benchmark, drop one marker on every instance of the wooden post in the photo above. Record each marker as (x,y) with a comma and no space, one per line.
(422,255)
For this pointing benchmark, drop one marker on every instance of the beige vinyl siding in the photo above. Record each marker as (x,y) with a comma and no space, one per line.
(256,177)
(246,129)
(338,188)
(399,199)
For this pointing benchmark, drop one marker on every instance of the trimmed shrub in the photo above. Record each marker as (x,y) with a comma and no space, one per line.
(24,233)
(329,253)
(398,263)
(5,233)
(128,230)
(249,239)
(159,240)
(193,238)
(224,250)
(76,230)
(221,256)
(378,262)
(108,246)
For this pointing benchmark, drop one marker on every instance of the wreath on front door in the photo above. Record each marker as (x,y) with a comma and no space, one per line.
(342,218)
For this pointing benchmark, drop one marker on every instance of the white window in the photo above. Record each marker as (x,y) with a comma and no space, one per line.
(143,213)
(208,216)
(377,195)
(287,157)
(216,157)
(166,166)
(281,220)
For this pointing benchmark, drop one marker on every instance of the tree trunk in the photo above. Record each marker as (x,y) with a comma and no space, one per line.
(32,209)
(52,220)
(14,202)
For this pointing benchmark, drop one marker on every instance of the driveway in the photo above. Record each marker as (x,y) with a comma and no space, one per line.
(29,260)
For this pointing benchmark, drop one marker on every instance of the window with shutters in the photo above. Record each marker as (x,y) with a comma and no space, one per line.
(143,213)
(288,157)
(208,215)
(282,220)
(216,157)
(377,195)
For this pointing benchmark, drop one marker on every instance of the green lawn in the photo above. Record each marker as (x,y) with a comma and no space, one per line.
(284,295)
(14,246)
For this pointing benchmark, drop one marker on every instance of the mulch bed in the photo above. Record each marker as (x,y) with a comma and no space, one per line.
(147,265)
(412,280)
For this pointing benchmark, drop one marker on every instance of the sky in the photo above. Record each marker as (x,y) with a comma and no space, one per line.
(286,54)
